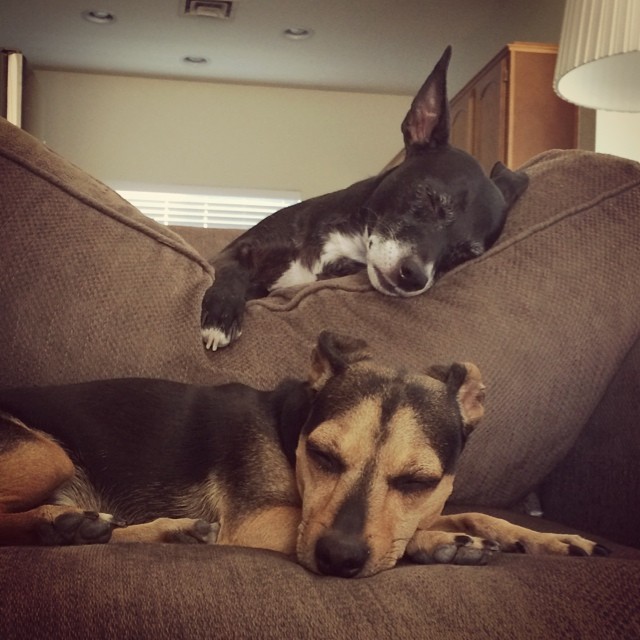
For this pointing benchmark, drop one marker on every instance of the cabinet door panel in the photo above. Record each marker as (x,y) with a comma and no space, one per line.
(461,118)
(490,121)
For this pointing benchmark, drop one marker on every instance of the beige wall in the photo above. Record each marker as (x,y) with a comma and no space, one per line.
(618,134)
(214,135)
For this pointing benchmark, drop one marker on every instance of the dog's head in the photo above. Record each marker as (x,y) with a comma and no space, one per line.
(437,208)
(375,460)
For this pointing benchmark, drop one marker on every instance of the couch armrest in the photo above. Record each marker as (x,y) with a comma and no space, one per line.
(596,487)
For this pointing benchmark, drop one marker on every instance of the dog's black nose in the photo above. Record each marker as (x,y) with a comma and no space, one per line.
(342,555)
(411,275)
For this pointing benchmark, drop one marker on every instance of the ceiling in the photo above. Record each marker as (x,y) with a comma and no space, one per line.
(381,46)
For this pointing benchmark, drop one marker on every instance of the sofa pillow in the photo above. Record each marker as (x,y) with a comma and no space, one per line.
(89,287)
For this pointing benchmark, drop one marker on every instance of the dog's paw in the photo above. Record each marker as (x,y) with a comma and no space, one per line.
(222,313)
(450,548)
(558,544)
(215,338)
(83,527)
(193,532)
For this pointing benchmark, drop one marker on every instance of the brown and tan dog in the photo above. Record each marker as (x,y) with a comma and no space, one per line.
(348,471)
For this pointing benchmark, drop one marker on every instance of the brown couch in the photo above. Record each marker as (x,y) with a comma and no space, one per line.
(90,288)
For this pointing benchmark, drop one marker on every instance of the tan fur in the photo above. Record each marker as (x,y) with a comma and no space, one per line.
(512,537)
(275,528)
(438,499)
(392,516)
(162,530)
(32,470)
(205,501)
(471,396)
(21,528)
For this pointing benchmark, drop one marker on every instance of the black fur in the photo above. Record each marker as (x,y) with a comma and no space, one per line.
(130,434)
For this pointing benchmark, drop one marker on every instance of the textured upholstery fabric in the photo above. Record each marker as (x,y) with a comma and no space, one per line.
(184,591)
(106,289)
(89,288)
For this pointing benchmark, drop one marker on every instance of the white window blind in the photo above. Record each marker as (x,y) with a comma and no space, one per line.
(203,207)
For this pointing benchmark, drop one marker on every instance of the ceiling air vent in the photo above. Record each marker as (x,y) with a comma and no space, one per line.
(220,9)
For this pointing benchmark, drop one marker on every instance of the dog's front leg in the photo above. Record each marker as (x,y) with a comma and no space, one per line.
(179,530)
(512,537)
(473,538)
(223,304)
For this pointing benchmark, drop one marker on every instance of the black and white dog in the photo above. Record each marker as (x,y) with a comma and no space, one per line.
(406,226)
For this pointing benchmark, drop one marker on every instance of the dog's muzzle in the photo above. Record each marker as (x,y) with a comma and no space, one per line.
(340,554)
(408,278)
(394,268)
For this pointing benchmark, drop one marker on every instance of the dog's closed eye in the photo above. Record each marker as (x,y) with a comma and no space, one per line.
(325,460)
(410,484)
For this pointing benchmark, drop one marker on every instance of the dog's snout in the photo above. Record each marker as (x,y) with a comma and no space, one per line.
(411,275)
(341,555)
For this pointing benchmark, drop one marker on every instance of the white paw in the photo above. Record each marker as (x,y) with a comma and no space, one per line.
(214,338)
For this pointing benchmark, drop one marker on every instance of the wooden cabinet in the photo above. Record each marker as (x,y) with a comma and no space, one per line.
(509,111)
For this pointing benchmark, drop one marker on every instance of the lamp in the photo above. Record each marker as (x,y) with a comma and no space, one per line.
(598,63)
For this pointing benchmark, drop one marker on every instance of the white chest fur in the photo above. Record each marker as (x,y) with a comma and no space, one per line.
(337,245)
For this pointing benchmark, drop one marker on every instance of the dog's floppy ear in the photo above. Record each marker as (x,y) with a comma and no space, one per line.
(464,384)
(427,122)
(512,184)
(332,354)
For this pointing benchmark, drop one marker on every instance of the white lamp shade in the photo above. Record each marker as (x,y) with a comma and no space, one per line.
(598,62)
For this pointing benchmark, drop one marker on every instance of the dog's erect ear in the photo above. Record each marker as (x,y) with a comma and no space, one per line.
(427,122)
(332,354)
(512,184)
(464,384)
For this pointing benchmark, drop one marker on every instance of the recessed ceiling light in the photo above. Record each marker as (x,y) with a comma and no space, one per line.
(99,17)
(297,33)
(195,60)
